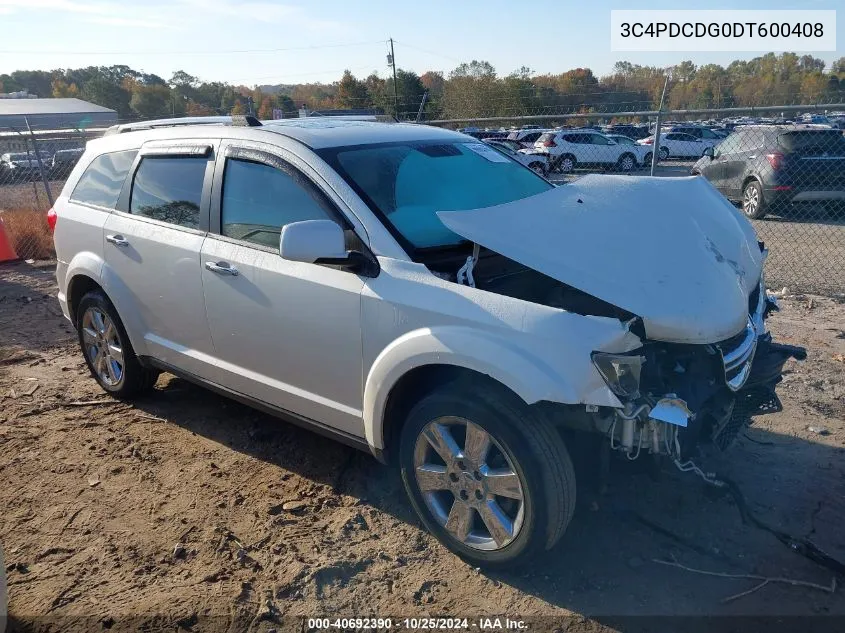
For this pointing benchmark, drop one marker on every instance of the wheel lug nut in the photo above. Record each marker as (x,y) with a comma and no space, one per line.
(453,477)
(461,465)
(464,495)
(477,475)
(478,495)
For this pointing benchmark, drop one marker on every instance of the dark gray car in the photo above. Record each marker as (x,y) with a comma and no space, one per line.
(773,168)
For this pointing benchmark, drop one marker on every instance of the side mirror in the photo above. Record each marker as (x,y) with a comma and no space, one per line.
(708,151)
(321,242)
(611,142)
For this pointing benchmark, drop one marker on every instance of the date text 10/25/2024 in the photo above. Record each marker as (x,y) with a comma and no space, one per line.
(417,624)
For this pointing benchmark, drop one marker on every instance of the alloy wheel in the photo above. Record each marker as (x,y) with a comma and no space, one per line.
(627,163)
(750,200)
(103,346)
(566,165)
(469,483)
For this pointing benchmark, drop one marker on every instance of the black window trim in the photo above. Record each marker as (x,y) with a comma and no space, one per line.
(98,207)
(181,148)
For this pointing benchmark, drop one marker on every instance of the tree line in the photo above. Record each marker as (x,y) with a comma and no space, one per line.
(472,89)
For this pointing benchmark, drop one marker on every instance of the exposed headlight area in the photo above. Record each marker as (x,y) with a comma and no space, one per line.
(621,372)
(675,395)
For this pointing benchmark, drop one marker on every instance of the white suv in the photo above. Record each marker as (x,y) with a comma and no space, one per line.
(569,149)
(420,295)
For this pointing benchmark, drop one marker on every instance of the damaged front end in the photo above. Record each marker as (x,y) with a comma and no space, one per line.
(676,396)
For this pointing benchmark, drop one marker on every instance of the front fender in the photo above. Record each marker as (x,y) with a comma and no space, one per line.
(524,373)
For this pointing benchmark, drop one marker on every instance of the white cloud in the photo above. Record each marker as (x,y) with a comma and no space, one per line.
(263,11)
(130,22)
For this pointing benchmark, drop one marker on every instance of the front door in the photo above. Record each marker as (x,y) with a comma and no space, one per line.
(286,333)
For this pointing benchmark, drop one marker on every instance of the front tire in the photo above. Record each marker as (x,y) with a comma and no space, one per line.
(107,350)
(626,163)
(538,168)
(664,153)
(486,475)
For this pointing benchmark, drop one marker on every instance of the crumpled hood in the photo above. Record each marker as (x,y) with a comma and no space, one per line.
(671,250)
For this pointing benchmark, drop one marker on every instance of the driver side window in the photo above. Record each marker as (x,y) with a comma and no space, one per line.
(258,200)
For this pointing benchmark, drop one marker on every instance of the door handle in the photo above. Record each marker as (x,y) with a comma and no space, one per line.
(753,156)
(117,240)
(222,268)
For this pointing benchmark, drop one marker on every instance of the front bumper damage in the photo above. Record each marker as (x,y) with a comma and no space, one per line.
(694,394)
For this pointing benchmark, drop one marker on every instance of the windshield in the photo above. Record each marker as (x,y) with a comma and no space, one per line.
(407,183)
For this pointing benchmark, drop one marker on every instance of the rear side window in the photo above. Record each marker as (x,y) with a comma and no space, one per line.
(548,136)
(169,189)
(102,181)
(258,200)
(813,142)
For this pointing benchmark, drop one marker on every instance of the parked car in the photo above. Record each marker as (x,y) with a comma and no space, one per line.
(63,161)
(534,160)
(635,132)
(698,131)
(678,145)
(641,151)
(569,149)
(771,168)
(526,138)
(419,295)
(21,166)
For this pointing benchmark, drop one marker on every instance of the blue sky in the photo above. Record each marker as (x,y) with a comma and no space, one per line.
(160,36)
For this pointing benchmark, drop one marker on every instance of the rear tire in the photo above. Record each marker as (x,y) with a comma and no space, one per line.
(753,203)
(525,459)
(107,350)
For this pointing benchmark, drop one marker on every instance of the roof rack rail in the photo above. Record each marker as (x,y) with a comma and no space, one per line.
(240,120)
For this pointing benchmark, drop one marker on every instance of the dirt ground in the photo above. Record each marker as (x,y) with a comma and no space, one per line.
(190,512)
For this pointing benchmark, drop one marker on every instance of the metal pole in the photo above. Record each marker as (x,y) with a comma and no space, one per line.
(657,128)
(40,163)
(395,97)
(422,105)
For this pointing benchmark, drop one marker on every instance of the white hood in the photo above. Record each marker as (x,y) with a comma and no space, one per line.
(671,250)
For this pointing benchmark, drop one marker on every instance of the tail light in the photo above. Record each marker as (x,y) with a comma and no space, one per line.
(648,141)
(549,143)
(51,219)
(775,160)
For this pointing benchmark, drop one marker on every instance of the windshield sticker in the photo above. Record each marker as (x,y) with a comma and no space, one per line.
(487,152)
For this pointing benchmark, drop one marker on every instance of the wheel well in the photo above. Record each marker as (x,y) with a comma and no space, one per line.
(416,384)
(78,287)
(746,181)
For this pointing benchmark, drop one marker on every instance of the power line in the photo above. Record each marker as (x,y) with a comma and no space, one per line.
(191,52)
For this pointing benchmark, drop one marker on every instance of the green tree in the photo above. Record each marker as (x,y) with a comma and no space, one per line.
(352,92)
(152,101)
(103,92)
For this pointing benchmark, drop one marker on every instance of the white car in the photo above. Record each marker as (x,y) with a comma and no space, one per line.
(569,149)
(679,145)
(641,152)
(534,160)
(419,295)
(526,137)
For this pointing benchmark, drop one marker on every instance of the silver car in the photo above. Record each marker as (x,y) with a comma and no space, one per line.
(416,293)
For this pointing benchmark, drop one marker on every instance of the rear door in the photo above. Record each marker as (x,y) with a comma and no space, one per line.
(285,333)
(152,251)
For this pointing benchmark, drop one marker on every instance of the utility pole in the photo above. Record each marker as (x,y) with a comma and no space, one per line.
(654,154)
(391,60)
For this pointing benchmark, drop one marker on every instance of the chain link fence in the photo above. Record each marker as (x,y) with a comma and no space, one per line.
(782,166)
(34,164)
